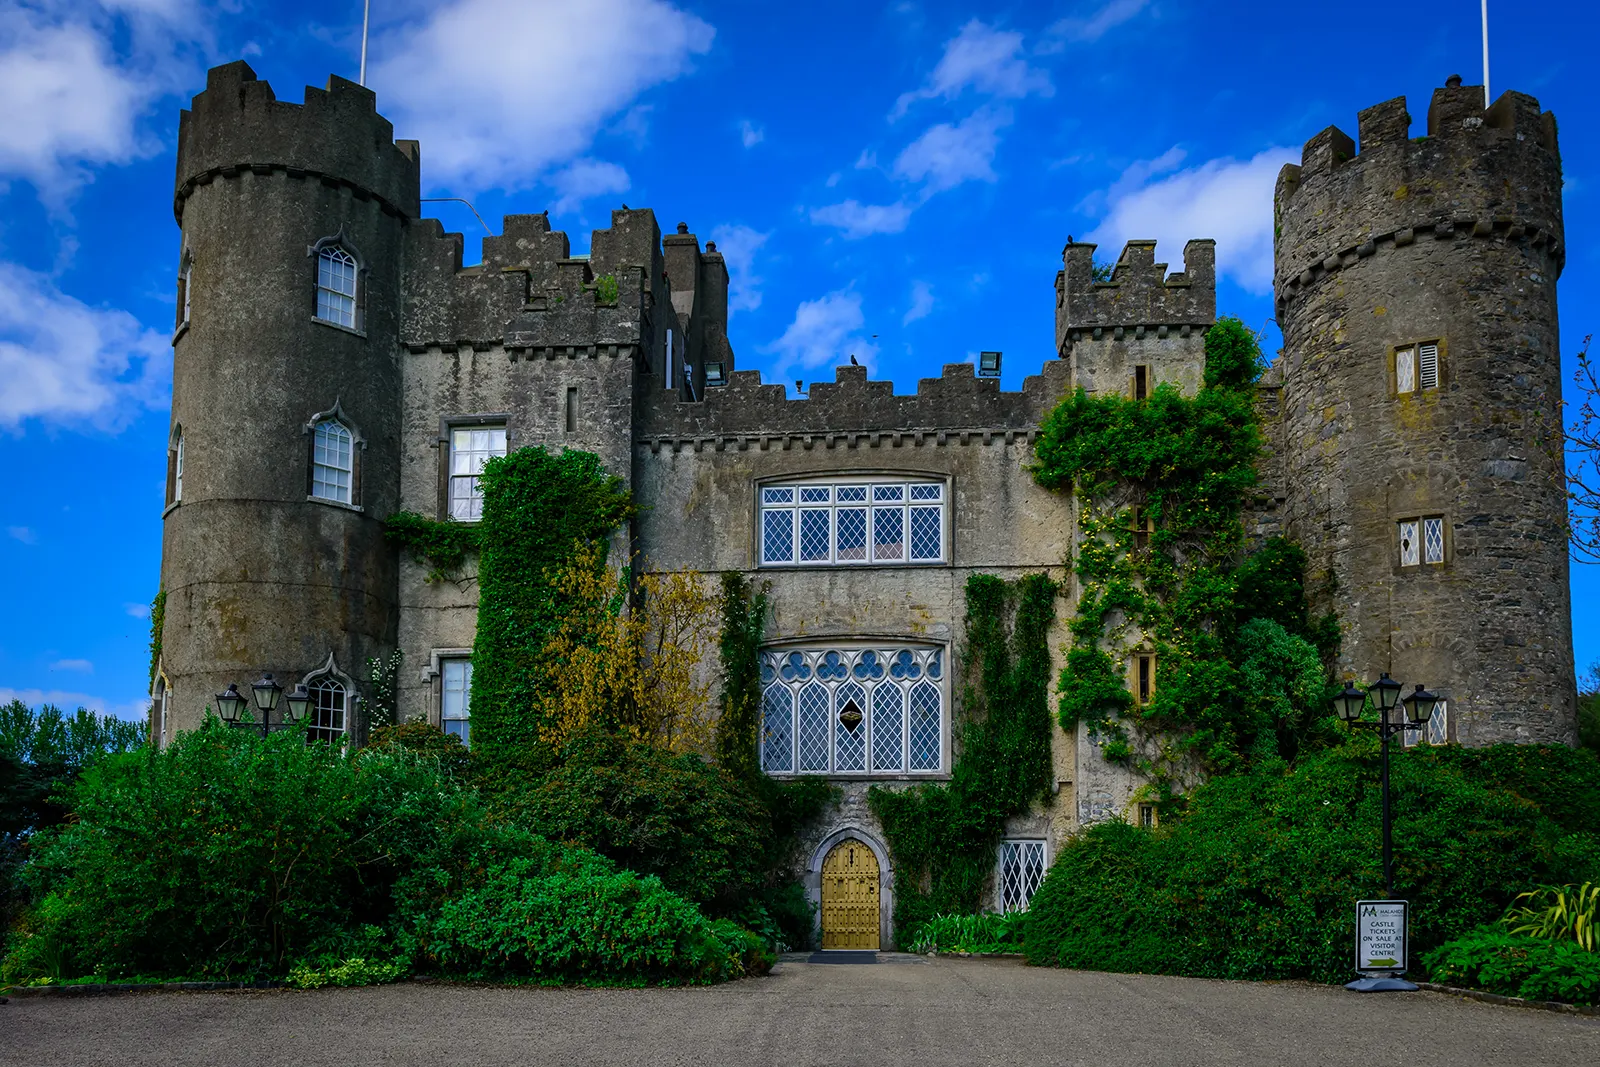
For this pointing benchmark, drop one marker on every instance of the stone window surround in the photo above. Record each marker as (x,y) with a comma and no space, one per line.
(864,474)
(1416,389)
(1421,566)
(861,641)
(329,671)
(450,423)
(341,241)
(358,448)
(433,678)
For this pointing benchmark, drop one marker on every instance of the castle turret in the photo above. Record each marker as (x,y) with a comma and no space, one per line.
(285,393)
(1138,326)
(1420,413)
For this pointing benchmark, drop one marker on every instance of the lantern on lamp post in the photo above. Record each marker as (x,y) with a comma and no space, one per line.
(265,696)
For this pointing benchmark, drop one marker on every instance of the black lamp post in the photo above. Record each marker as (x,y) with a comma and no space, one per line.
(265,693)
(1385,694)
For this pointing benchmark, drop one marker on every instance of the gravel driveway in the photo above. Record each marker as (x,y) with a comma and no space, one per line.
(923,1013)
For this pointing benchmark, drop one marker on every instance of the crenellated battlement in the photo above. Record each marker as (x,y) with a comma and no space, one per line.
(1486,173)
(336,136)
(852,410)
(1140,295)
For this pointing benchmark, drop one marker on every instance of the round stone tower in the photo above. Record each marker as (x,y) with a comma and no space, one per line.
(270,562)
(1420,426)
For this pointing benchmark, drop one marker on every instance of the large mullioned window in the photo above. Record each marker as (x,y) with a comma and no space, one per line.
(843,522)
(853,710)
(469,451)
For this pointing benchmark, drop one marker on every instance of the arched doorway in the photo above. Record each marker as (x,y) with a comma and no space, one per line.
(850,904)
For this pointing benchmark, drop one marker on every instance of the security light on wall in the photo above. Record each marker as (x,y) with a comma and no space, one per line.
(714,374)
(988,364)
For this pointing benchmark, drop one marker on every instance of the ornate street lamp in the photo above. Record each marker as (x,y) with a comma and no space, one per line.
(264,694)
(1417,709)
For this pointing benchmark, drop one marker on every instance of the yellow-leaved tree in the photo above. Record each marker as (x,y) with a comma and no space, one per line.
(630,661)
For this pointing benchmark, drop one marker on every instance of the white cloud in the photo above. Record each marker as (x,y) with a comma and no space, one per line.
(825,333)
(501,91)
(80,665)
(862,220)
(983,58)
(138,611)
(64,361)
(76,76)
(1226,199)
(24,534)
(1086,29)
(750,134)
(136,709)
(947,155)
(738,245)
(586,178)
(921,303)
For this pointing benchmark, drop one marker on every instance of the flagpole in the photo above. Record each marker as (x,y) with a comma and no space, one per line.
(366,11)
(1485,53)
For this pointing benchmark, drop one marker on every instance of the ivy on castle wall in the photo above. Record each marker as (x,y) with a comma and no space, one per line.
(158,621)
(744,619)
(539,509)
(944,836)
(1161,485)
(440,546)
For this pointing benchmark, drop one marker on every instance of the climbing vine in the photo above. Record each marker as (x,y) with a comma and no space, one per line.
(943,837)
(441,546)
(158,620)
(1161,484)
(744,618)
(540,509)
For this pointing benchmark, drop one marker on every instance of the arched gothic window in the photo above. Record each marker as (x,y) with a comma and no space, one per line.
(332,462)
(341,283)
(185,273)
(175,467)
(333,703)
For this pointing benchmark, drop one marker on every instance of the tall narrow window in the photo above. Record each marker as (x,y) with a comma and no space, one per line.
(332,463)
(671,382)
(469,451)
(1141,382)
(1144,677)
(1405,370)
(1018,874)
(455,703)
(175,467)
(1433,540)
(1147,816)
(329,711)
(336,287)
(1428,365)
(572,408)
(1143,526)
(185,273)
(1410,549)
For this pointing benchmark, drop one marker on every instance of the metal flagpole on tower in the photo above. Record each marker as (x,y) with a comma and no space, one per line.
(1485,53)
(366,12)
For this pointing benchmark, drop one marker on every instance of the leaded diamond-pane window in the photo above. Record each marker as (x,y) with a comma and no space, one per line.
(856,521)
(1433,540)
(1410,551)
(1019,872)
(853,709)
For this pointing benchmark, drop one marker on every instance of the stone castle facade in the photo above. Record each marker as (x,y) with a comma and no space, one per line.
(336,363)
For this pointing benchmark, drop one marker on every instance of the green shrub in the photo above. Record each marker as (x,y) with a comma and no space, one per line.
(1495,961)
(653,812)
(986,931)
(426,740)
(1259,878)
(569,916)
(1556,913)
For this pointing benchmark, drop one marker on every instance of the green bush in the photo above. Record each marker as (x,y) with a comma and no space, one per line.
(569,916)
(653,812)
(1495,961)
(1259,878)
(426,740)
(986,931)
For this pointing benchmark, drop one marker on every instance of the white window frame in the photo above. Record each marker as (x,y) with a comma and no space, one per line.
(1422,540)
(177,470)
(880,498)
(1030,859)
(463,493)
(331,442)
(1436,731)
(325,680)
(338,287)
(889,681)
(456,720)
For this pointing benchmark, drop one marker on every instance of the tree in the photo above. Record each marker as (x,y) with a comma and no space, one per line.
(1583,462)
(629,660)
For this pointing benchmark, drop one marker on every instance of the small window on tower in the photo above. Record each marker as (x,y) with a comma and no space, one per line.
(572,408)
(1410,549)
(1143,526)
(1148,817)
(1416,368)
(1141,382)
(1422,540)
(185,273)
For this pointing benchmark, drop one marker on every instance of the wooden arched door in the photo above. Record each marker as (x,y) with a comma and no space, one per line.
(850,906)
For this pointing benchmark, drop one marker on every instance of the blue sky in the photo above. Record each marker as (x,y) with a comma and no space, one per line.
(889,180)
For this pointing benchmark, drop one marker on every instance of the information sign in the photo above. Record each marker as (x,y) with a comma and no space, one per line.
(1382,935)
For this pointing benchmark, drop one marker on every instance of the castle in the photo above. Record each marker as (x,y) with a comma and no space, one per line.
(335,363)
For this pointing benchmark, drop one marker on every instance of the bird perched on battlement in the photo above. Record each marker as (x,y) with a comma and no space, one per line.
(853,362)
